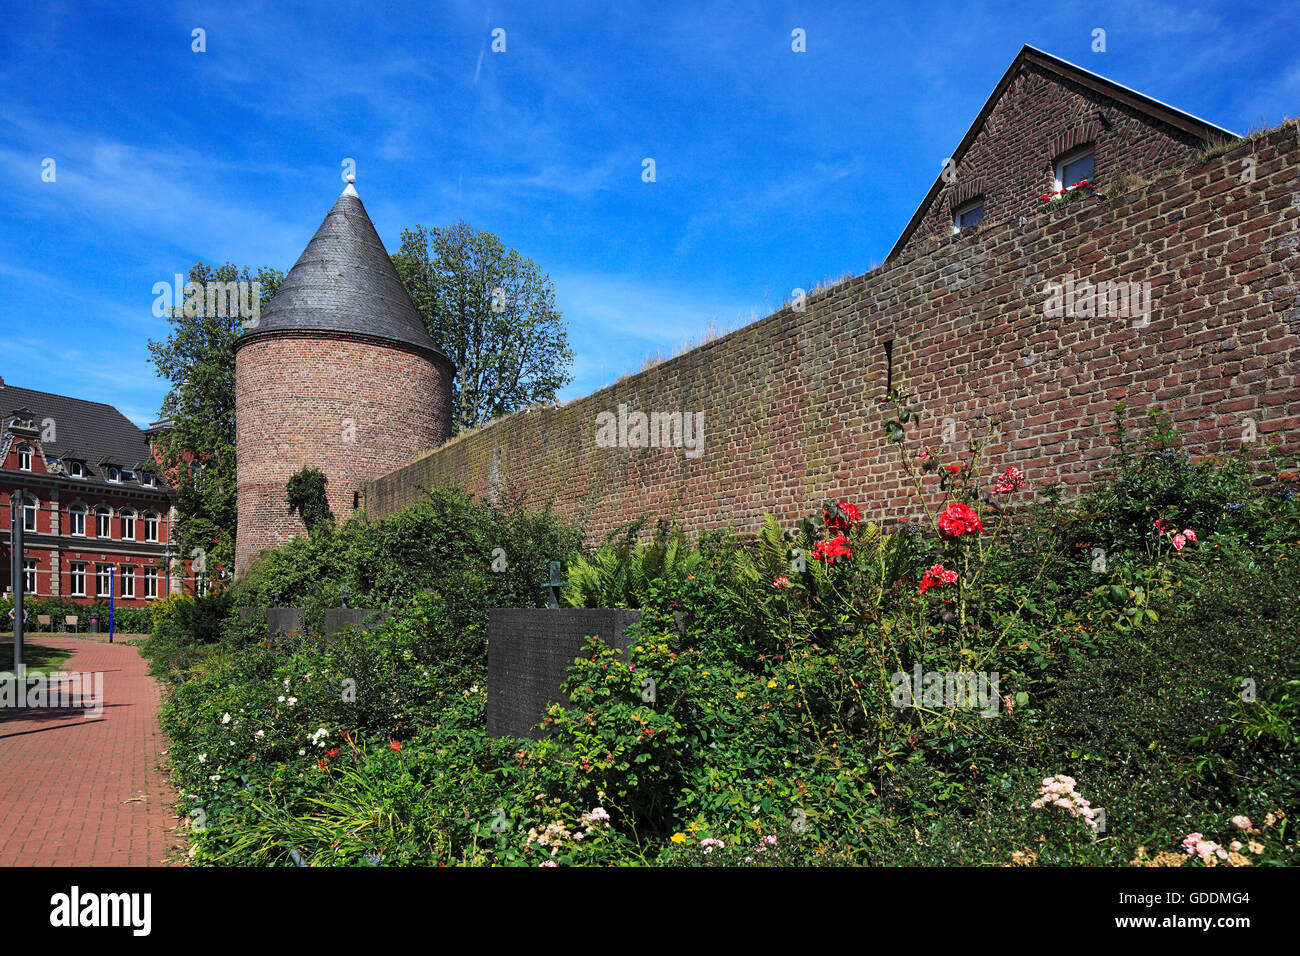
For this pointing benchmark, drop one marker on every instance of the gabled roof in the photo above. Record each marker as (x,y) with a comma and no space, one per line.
(345,282)
(1192,125)
(88,431)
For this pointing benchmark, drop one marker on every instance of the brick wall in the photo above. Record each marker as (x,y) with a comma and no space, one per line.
(1039,118)
(791,403)
(349,406)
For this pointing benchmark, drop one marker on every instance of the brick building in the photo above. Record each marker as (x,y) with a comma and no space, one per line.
(93,500)
(1047,125)
(339,373)
(964,316)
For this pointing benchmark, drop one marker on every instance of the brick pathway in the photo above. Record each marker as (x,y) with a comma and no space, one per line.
(86,791)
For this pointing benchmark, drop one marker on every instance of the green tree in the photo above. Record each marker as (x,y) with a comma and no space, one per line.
(307,497)
(198,454)
(493,313)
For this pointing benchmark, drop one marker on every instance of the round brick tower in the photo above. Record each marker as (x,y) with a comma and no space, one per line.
(339,373)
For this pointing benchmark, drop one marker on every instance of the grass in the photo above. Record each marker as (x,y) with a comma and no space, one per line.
(40,660)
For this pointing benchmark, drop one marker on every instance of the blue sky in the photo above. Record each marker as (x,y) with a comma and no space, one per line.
(775,169)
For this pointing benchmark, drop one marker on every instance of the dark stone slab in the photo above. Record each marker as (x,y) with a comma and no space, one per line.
(530,651)
(283,620)
(337,618)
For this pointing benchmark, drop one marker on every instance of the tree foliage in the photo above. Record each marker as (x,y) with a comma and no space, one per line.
(493,313)
(307,497)
(198,359)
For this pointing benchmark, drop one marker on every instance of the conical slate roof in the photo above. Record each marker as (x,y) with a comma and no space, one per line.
(345,282)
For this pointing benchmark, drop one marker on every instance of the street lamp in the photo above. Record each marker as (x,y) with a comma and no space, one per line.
(16,572)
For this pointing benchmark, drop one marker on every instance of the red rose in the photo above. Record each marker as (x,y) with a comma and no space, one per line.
(959,519)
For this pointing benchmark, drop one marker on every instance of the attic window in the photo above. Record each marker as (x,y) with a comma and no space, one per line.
(968,215)
(76,470)
(24,458)
(146,479)
(112,473)
(1074,167)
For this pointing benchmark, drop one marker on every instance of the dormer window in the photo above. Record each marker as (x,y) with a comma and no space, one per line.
(76,469)
(146,479)
(968,215)
(127,474)
(24,458)
(113,473)
(1074,167)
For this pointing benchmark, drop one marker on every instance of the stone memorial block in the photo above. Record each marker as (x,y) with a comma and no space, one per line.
(337,618)
(283,620)
(530,651)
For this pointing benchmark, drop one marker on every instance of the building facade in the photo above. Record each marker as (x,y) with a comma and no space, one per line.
(338,373)
(97,516)
(1171,285)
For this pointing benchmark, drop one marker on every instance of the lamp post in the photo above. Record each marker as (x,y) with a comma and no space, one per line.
(16,568)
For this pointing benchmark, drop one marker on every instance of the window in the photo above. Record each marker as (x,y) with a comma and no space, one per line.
(150,583)
(1074,168)
(968,215)
(146,479)
(128,581)
(24,458)
(150,527)
(102,585)
(77,520)
(127,474)
(128,525)
(78,575)
(29,513)
(76,470)
(113,474)
(29,575)
(101,522)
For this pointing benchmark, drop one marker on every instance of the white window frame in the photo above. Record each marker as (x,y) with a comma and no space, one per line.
(30,567)
(126,524)
(976,203)
(104,515)
(126,578)
(77,578)
(77,520)
(150,526)
(102,583)
(150,583)
(146,479)
(76,470)
(24,458)
(1073,157)
(113,473)
(30,506)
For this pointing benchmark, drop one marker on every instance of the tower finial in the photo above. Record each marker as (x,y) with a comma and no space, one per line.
(349,189)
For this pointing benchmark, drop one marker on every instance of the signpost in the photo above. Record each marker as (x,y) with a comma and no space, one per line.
(111,569)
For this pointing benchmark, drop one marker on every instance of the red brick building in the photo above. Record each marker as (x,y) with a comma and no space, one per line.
(93,500)
(339,373)
(965,317)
